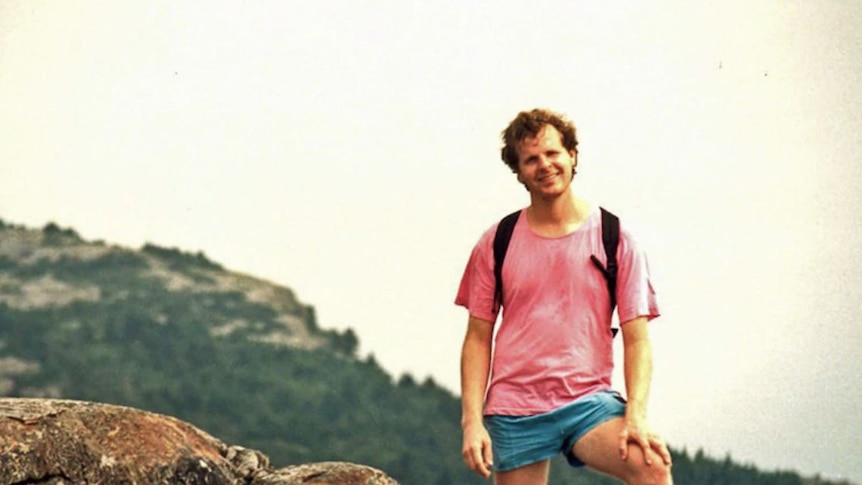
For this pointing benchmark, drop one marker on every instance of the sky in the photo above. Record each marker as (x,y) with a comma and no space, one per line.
(350,151)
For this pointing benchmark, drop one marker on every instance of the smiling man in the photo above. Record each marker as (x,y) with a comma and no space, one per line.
(547,390)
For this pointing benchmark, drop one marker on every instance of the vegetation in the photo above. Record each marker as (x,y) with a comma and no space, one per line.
(146,345)
(178,259)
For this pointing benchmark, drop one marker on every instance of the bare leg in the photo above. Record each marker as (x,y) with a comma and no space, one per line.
(534,474)
(599,450)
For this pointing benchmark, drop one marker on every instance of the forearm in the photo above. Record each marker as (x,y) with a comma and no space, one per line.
(638,375)
(475,368)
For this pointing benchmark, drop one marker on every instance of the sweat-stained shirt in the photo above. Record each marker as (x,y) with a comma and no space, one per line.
(554,342)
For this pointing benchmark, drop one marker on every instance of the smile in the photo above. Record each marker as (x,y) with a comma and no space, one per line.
(546,178)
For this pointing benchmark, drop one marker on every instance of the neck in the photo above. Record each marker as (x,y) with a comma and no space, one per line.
(562,208)
(559,215)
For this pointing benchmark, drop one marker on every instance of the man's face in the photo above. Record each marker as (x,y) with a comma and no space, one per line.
(545,167)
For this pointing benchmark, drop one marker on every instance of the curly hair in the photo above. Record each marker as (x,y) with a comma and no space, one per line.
(528,124)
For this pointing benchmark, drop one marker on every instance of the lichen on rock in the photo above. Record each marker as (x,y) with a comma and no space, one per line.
(52,441)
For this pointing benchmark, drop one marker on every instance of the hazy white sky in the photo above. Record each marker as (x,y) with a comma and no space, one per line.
(349,151)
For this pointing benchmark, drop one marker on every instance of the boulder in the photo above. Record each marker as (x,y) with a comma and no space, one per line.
(52,441)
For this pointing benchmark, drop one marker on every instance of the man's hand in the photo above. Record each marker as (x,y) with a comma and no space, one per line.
(641,436)
(477,449)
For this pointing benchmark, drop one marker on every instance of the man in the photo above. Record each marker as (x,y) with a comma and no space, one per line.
(547,390)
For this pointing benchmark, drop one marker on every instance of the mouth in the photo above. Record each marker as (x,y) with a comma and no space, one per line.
(547,178)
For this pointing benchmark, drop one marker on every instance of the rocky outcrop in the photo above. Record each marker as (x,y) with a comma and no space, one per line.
(48,441)
(325,473)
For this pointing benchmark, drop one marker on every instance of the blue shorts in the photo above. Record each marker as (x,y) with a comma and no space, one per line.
(522,440)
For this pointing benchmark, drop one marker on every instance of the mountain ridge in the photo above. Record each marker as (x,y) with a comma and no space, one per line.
(199,274)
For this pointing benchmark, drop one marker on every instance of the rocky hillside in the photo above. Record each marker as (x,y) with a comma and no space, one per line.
(59,255)
(53,270)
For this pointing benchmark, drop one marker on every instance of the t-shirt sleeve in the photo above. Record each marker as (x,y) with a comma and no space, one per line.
(636,296)
(476,291)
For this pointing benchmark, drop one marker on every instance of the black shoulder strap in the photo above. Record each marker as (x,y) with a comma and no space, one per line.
(610,240)
(501,245)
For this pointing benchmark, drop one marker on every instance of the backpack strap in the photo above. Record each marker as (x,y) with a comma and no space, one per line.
(501,245)
(610,240)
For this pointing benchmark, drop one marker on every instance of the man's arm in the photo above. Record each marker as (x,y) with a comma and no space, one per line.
(475,369)
(637,355)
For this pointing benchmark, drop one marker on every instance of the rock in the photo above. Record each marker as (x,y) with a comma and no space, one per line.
(326,473)
(51,441)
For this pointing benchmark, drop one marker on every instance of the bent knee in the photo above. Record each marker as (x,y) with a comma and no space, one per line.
(657,473)
(637,472)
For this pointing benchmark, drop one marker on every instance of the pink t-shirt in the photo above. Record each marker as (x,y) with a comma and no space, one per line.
(554,343)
